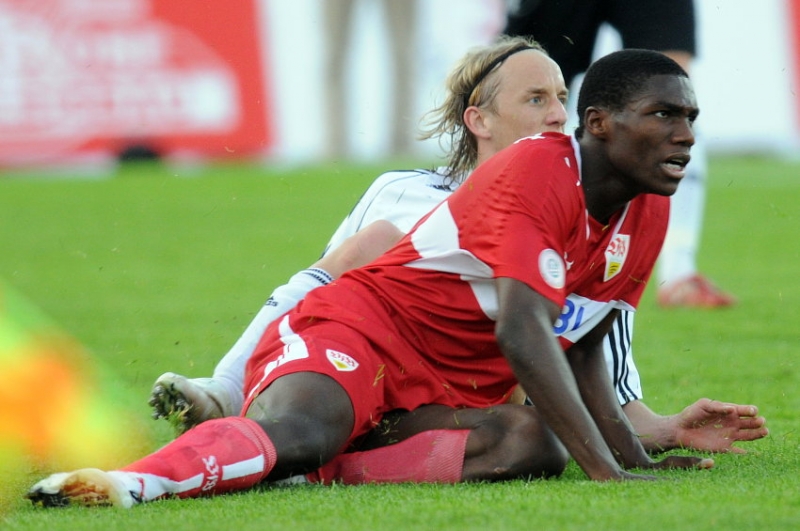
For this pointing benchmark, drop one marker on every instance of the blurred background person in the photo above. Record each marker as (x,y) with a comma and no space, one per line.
(400,24)
(568,30)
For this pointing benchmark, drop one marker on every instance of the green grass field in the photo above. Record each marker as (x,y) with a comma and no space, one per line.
(160,269)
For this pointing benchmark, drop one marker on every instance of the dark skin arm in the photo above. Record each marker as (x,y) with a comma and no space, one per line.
(524,332)
(525,336)
(588,367)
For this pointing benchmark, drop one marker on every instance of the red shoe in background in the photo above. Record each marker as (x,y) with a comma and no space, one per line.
(695,291)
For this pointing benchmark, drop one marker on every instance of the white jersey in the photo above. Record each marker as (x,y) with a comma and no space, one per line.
(400,197)
(403,197)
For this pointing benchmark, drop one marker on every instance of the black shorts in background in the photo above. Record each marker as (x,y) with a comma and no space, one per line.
(568,28)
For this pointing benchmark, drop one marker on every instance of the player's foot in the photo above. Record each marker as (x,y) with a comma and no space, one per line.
(695,291)
(186,402)
(89,487)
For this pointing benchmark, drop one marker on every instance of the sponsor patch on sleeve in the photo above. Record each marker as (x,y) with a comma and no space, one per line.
(552,269)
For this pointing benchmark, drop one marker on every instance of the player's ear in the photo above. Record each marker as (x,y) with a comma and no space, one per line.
(596,121)
(476,122)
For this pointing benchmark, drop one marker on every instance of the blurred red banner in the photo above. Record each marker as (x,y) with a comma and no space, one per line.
(794,25)
(88,76)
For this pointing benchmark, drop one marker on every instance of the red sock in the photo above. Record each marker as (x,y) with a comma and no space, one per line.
(220,455)
(435,456)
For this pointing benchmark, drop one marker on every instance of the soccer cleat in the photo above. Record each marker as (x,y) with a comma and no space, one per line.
(89,487)
(695,291)
(186,402)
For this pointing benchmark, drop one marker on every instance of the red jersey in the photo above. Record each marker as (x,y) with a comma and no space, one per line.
(427,307)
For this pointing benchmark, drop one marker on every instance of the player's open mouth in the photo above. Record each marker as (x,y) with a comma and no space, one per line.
(675,166)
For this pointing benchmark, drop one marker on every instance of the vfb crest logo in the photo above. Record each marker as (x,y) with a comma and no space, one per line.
(616,253)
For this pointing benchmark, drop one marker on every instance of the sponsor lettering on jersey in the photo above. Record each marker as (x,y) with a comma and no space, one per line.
(212,473)
(580,315)
(341,361)
(616,253)
(552,269)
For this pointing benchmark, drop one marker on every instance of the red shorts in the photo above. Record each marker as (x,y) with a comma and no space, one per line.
(375,384)
(347,333)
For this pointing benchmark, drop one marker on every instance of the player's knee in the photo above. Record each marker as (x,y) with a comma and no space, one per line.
(310,444)
(514,443)
(302,443)
(543,455)
(308,418)
(554,459)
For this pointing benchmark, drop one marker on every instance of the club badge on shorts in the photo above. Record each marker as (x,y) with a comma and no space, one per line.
(616,252)
(341,361)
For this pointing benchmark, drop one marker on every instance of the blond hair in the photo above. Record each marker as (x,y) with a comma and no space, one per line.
(470,83)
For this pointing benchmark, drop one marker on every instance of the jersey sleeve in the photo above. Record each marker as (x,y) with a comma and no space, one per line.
(619,359)
(521,215)
(400,197)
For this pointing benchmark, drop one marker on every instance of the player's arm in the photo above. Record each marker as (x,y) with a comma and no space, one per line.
(707,425)
(524,332)
(361,248)
(588,364)
(587,361)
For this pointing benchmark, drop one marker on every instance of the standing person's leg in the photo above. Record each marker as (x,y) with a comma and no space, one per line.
(401,20)
(338,24)
(670,28)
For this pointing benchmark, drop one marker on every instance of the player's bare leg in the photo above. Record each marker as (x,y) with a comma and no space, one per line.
(308,417)
(505,442)
(298,422)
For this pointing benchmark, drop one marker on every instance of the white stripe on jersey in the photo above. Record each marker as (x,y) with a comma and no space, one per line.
(436,241)
(294,348)
(155,487)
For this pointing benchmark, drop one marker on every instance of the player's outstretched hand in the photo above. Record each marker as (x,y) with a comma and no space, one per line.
(713,426)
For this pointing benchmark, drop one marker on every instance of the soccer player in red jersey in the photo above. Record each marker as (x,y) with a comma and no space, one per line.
(496,94)
(462,309)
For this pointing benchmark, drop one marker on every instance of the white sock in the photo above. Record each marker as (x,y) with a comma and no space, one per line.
(146,487)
